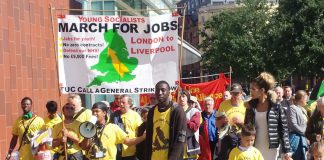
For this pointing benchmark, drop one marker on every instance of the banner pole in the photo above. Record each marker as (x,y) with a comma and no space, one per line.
(68,9)
(230,76)
(57,74)
(181,48)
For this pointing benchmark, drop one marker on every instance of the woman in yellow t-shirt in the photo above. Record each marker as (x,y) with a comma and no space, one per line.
(69,134)
(103,145)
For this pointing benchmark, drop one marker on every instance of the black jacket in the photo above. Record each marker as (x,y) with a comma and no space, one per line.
(277,124)
(314,126)
(140,148)
(177,132)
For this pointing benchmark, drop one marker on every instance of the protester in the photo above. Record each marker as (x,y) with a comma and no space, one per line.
(315,126)
(140,148)
(209,117)
(166,126)
(115,105)
(108,135)
(204,142)
(297,123)
(246,150)
(194,103)
(70,135)
(52,117)
(81,114)
(317,151)
(227,95)
(284,103)
(234,107)
(191,148)
(228,137)
(288,94)
(23,130)
(129,121)
(268,117)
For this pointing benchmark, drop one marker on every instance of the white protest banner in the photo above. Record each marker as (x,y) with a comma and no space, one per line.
(117,55)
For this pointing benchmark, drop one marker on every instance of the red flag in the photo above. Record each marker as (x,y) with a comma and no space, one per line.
(214,89)
(204,143)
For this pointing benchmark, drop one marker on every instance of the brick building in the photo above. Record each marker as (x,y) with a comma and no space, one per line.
(27,60)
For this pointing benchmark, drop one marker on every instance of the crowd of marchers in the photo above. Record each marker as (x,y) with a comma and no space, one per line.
(272,123)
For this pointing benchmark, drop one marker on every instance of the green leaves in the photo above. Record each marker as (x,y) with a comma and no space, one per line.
(256,37)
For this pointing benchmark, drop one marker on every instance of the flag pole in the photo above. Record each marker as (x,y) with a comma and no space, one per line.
(181,48)
(57,74)
(230,76)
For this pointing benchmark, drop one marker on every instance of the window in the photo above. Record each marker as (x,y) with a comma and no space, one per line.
(103,5)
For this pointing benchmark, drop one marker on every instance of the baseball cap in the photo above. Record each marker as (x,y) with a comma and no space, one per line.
(236,87)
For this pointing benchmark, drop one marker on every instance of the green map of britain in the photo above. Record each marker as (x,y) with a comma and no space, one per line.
(114,63)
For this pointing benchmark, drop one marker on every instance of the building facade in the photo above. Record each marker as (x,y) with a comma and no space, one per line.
(27,60)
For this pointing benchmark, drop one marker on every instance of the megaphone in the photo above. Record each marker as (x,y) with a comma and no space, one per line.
(88,128)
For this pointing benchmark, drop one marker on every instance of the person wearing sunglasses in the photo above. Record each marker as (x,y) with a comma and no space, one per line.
(108,135)
(69,135)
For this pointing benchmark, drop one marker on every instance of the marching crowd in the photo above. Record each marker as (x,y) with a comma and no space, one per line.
(271,124)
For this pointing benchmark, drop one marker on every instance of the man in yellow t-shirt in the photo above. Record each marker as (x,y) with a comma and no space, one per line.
(52,118)
(234,107)
(81,114)
(23,130)
(103,145)
(69,134)
(130,121)
(166,127)
(161,134)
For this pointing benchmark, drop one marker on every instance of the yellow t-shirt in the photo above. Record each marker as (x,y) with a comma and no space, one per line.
(233,111)
(49,123)
(110,137)
(84,116)
(18,129)
(323,131)
(161,134)
(250,154)
(73,129)
(131,120)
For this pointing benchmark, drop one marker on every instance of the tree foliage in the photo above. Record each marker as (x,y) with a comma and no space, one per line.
(255,38)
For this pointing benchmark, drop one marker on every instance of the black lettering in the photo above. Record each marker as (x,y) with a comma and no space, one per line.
(103,26)
(174,25)
(73,27)
(133,27)
(165,26)
(155,28)
(92,29)
(147,29)
(63,27)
